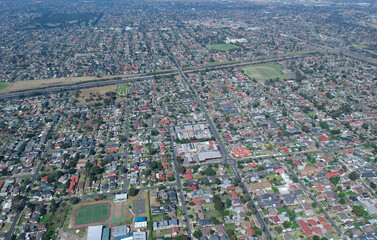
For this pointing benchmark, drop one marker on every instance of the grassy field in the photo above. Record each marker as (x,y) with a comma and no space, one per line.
(264,72)
(93,213)
(44,83)
(3,85)
(222,47)
(122,89)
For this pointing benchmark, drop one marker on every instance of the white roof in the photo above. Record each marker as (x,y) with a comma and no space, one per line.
(208,155)
(121,196)
(94,233)
(140,235)
(141,225)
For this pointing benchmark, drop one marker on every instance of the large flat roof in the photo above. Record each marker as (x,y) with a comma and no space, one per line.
(94,233)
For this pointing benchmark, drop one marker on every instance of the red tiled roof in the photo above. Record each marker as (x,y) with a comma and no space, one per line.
(250,232)
(317,230)
(305,228)
(321,220)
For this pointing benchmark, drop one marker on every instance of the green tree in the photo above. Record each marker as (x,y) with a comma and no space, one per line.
(180,169)
(210,172)
(74,200)
(228,203)
(287,224)
(357,210)
(335,180)
(132,191)
(94,170)
(278,229)
(197,234)
(354,175)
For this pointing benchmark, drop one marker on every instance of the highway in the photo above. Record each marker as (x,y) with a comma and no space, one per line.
(101,83)
(338,50)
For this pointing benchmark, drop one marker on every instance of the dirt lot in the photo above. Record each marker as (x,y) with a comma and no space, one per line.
(87,92)
(42,83)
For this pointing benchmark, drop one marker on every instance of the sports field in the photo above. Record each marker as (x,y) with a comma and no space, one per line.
(264,72)
(89,213)
(222,47)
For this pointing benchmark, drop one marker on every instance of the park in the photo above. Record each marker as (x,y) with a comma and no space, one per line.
(264,72)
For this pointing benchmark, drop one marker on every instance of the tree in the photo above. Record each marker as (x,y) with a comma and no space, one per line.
(132,191)
(154,132)
(153,165)
(180,169)
(214,220)
(182,237)
(219,206)
(228,203)
(94,170)
(354,175)
(305,128)
(54,206)
(159,166)
(146,172)
(316,237)
(335,180)
(278,229)
(287,224)
(217,181)
(210,172)
(74,200)
(43,210)
(197,234)
(357,210)
(342,201)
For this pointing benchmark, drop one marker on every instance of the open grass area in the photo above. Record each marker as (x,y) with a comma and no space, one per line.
(222,47)
(264,72)
(46,218)
(3,85)
(93,213)
(212,213)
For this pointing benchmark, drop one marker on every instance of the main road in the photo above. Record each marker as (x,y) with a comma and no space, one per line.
(228,160)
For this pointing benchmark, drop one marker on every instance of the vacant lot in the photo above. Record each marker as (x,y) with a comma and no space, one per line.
(264,72)
(44,83)
(90,94)
(93,213)
(222,47)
